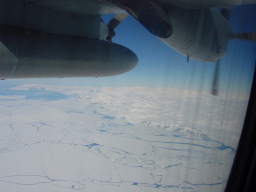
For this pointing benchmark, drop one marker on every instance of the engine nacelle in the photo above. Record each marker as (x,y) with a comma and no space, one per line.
(40,54)
(201,34)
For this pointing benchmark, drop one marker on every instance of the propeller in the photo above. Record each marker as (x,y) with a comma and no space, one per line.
(113,23)
(154,18)
(150,14)
(225,12)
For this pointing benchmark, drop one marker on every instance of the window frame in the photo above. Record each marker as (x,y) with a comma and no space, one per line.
(242,177)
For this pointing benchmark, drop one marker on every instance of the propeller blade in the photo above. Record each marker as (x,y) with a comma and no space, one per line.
(122,16)
(225,13)
(215,82)
(155,19)
(113,23)
(150,13)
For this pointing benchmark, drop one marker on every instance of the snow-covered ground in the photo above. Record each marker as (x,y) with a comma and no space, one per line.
(121,139)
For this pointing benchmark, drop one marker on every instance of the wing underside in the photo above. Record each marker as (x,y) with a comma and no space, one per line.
(92,7)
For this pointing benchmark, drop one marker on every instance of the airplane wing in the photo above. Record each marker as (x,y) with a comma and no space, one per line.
(108,6)
(92,7)
(59,39)
(191,27)
(196,4)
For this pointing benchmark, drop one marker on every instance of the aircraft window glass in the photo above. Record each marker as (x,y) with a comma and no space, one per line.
(117,95)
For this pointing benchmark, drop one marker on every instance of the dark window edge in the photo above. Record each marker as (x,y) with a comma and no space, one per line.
(243,173)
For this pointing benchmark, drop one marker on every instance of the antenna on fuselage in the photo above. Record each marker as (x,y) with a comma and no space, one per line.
(249,36)
(216,76)
(188,58)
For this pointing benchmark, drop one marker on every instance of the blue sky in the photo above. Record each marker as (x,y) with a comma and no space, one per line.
(160,65)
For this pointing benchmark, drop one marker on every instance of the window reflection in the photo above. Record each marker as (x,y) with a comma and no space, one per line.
(152,122)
